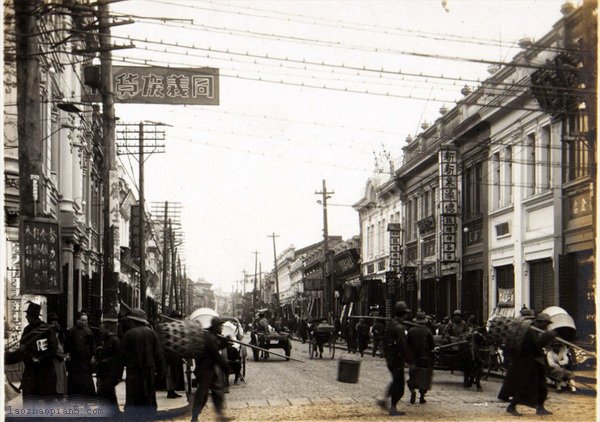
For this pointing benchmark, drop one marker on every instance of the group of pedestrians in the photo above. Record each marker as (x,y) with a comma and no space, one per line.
(412,344)
(58,365)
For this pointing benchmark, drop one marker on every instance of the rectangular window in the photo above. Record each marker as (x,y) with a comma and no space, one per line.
(502,229)
(496,202)
(531,163)
(425,212)
(546,159)
(508,179)
(472,190)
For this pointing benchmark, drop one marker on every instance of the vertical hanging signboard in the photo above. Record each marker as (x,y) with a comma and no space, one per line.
(448,175)
(40,257)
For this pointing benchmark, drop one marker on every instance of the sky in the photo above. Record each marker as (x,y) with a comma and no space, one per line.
(309,91)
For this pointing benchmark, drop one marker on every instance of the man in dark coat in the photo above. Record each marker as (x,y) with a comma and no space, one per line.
(362,334)
(107,365)
(351,335)
(525,380)
(303,329)
(80,347)
(396,353)
(207,367)
(141,353)
(37,350)
(175,377)
(378,330)
(420,343)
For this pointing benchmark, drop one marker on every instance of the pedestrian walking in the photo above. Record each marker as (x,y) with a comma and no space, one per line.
(396,354)
(525,380)
(420,343)
(351,336)
(303,329)
(378,331)
(140,352)
(107,366)
(175,378)
(80,347)
(208,366)
(59,360)
(37,350)
(362,335)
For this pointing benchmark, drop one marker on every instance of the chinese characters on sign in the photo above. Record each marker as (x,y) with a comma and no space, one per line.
(166,85)
(448,175)
(395,262)
(40,258)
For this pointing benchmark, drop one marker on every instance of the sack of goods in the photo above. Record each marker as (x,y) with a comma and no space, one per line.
(508,332)
(181,338)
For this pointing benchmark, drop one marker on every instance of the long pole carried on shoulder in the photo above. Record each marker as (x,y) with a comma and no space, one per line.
(259,348)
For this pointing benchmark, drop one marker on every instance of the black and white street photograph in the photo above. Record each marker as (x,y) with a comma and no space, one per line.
(299,210)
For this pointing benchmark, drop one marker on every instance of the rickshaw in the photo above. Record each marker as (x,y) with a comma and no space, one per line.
(232,328)
(325,333)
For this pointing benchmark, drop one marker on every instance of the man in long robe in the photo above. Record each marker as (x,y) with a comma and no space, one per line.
(141,353)
(37,350)
(420,343)
(525,380)
(80,347)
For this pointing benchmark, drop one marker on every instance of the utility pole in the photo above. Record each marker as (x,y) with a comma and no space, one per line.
(128,132)
(273,236)
(28,104)
(111,256)
(255,275)
(329,288)
(163,295)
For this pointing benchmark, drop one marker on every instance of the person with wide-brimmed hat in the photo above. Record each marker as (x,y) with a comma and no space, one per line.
(141,353)
(207,371)
(396,354)
(37,350)
(420,343)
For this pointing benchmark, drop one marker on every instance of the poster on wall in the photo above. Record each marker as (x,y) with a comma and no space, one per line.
(40,257)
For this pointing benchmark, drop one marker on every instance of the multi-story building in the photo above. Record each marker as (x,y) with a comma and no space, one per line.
(498,192)
(66,173)
(380,214)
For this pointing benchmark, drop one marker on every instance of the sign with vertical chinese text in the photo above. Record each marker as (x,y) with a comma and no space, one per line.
(448,175)
(395,257)
(166,85)
(40,257)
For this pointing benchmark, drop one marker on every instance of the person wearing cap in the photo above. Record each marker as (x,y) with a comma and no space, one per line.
(456,327)
(37,349)
(80,347)
(420,343)
(396,353)
(207,371)
(525,379)
(59,360)
(141,353)
(107,365)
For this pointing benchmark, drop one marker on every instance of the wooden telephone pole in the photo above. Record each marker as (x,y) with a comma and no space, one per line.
(328,285)
(275,270)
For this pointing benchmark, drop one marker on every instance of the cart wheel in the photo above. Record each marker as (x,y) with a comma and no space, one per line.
(332,348)
(310,349)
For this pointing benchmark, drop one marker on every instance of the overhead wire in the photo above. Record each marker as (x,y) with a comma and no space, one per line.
(340,24)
